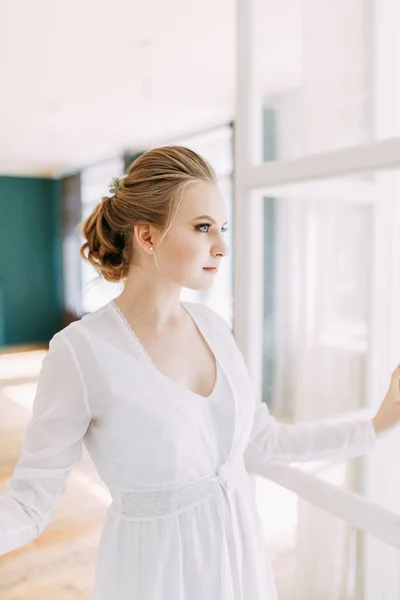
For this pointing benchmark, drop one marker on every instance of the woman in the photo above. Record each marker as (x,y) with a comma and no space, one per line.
(159,393)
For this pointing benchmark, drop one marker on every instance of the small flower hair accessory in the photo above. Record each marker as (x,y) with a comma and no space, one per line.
(116,183)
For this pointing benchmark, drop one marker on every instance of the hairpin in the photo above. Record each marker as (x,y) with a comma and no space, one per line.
(115,184)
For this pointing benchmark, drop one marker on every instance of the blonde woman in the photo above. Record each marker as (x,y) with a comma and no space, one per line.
(159,393)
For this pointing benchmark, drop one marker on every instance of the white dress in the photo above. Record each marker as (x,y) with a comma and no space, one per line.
(183,522)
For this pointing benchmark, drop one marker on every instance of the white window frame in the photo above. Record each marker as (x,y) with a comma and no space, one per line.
(252,176)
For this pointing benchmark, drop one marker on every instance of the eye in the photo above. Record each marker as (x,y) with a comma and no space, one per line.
(198,227)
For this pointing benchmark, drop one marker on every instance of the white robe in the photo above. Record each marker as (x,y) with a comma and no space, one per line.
(183,524)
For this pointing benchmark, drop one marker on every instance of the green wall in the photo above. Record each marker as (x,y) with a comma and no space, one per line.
(30,260)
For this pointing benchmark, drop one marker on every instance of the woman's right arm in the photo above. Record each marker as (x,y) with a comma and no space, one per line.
(52,445)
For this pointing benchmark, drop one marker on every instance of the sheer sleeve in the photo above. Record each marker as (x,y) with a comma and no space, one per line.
(274,442)
(52,445)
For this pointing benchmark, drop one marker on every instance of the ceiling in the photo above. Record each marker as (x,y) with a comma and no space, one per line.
(83,81)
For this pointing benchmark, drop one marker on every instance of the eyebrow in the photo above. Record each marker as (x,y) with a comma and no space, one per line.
(209,218)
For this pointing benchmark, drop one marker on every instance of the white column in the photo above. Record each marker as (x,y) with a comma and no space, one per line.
(248,222)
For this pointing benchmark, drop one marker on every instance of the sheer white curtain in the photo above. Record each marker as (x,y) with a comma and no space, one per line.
(321,323)
(318,276)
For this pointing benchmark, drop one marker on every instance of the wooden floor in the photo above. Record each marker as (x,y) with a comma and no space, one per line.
(60,563)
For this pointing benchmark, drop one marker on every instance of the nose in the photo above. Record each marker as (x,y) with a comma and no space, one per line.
(221,249)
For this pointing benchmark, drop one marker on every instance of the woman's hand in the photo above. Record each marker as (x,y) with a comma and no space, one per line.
(388,414)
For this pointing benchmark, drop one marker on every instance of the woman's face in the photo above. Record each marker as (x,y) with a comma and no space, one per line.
(195,240)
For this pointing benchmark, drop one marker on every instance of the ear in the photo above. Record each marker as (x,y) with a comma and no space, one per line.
(145,235)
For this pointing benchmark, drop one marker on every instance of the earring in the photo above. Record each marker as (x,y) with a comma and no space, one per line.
(151,248)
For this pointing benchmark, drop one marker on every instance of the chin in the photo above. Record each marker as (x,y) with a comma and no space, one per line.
(198,285)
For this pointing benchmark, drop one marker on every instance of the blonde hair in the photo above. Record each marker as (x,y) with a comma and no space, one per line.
(150,193)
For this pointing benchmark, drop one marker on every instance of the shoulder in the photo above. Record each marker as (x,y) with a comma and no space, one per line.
(216,323)
(87,325)
(210,315)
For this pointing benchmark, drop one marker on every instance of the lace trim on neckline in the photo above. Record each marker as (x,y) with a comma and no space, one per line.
(142,354)
(131,335)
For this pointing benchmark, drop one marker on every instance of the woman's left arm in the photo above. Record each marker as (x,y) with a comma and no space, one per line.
(274,442)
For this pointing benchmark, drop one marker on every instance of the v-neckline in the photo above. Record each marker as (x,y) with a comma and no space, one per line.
(185,390)
(183,408)
(144,355)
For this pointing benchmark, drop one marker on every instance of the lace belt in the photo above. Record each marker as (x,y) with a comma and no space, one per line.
(152,503)
(149,503)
